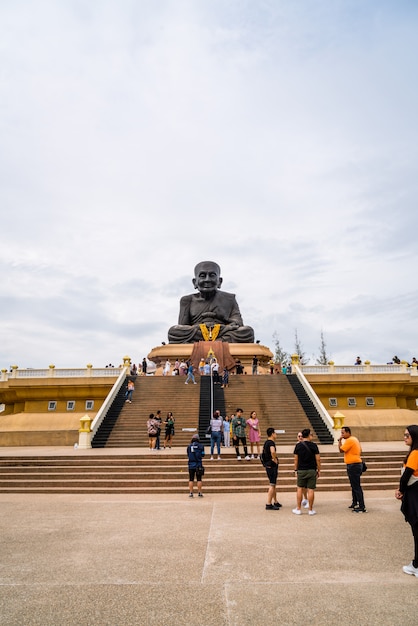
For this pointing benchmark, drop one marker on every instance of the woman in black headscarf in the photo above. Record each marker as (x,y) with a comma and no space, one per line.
(408,492)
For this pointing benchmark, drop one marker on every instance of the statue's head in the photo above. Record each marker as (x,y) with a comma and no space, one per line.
(207,277)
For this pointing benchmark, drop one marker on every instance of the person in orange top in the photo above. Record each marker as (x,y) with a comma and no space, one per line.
(352,458)
(408,492)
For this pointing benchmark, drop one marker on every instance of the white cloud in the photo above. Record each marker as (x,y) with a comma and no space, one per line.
(138,139)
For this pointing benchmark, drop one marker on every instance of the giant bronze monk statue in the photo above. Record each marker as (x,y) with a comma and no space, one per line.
(209,314)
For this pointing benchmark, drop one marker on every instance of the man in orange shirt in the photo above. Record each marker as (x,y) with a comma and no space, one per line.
(352,458)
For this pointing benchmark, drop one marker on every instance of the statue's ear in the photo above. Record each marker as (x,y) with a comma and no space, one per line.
(220,281)
(194,283)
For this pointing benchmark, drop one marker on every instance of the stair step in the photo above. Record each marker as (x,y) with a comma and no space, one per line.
(159,473)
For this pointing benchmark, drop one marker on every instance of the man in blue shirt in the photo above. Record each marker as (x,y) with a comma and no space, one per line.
(195,454)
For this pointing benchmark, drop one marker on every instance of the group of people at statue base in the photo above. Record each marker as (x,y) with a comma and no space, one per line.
(307,467)
(141,368)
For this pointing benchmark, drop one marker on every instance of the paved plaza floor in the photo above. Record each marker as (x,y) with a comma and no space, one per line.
(219,560)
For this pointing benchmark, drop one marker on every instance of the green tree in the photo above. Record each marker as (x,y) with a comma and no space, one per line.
(280,355)
(299,350)
(323,357)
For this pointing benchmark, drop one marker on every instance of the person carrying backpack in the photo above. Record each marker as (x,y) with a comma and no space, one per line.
(195,454)
(152,427)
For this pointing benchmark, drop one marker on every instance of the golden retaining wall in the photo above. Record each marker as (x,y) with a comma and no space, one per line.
(242,351)
(26,421)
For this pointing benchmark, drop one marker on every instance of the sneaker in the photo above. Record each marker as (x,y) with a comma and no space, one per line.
(190,495)
(410,569)
(252,456)
(305,504)
(219,458)
(312,512)
(195,383)
(297,511)
(271,507)
(277,505)
(357,509)
(200,495)
(353,506)
(247,458)
(211,458)
(238,458)
(186,383)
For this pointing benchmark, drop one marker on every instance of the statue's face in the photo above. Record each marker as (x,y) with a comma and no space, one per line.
(207,278)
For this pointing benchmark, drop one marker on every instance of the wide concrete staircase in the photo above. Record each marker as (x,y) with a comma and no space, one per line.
(273,399)
(271,396)
(151,394)
(166,472)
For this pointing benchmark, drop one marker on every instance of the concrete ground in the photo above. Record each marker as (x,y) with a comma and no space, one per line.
(219,560)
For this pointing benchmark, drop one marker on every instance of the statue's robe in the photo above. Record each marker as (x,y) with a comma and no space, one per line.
(221,309)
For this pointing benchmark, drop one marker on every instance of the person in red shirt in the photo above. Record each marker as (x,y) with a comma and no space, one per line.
(408,492)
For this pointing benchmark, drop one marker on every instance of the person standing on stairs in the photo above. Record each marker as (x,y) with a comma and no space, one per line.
(254,433)
(129,391)
(190,374)
(216,426)
(160,421)
(152,428)
(169,430)
(239,434)
(227,432)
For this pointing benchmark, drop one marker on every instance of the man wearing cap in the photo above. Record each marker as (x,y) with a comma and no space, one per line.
(195,454)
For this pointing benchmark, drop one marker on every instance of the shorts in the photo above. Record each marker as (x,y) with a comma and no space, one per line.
(307,479)
(195,472)
(272,472)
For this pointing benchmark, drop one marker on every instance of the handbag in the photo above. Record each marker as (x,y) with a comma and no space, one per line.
(209,430)
(363,467)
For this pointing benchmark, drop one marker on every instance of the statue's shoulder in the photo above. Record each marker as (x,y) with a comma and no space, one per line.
(226,296)
(187,299)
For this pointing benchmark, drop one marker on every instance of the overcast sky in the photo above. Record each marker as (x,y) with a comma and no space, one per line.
(276,137)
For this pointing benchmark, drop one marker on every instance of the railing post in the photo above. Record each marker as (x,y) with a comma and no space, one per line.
(338,423)
(295,360)
(89,370)
(51,371)
(3,375)
(14,371)
(84,436)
